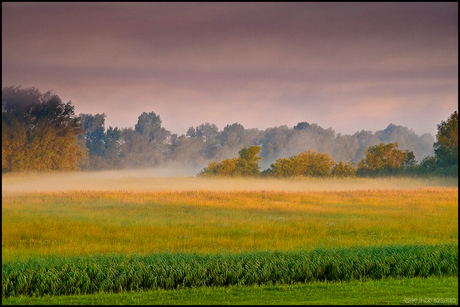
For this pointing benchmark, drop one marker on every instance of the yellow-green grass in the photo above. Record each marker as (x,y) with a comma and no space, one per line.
(101,222)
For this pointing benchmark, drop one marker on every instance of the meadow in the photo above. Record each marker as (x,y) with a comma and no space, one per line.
(360,227)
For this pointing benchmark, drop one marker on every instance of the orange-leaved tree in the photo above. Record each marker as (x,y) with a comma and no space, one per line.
(39,132)
(385,159)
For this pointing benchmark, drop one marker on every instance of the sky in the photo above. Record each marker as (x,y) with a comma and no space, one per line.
(345,66)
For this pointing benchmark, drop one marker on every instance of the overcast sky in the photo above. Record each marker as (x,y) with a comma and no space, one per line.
(347,66)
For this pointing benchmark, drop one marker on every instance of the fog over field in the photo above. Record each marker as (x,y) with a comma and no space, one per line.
(185,180)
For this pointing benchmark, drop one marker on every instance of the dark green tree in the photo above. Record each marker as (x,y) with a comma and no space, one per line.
(103,146)
(210,134)
(302,126)
(446,145)
(149,127)
(428,166)
(112,143)
(94,133)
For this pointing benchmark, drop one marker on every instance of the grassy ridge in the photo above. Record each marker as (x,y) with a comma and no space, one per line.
(91,222)
(40,276)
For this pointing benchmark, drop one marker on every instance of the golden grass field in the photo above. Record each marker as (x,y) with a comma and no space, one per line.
(140,214)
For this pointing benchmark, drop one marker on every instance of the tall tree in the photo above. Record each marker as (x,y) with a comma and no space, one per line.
(112,144)
(210,134)
(39,131)
(149,126)
(94,132)
(147,144)
(103,146)
(446,145)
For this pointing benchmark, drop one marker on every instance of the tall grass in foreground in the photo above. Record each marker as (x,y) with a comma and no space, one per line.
(116,273)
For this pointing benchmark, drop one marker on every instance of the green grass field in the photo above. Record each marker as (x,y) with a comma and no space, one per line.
(391,291)
(228,219)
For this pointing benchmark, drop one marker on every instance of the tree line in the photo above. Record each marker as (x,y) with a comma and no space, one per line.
(42,133)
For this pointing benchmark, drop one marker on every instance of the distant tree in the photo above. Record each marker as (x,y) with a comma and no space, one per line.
(93,126)
(343,170)
(424,146)
(273,143)
(407,139)
(112,144)
(210,134)
(149,127)
(365,140)
(323,137)
(103,146)
(385,160)
(281,142)
(39,132)
(302,126)
(186,150)
(345,147)
(191,132)
(233,135)
(231,140)
(245,165)
(147,145)
(137,152)
(395,133)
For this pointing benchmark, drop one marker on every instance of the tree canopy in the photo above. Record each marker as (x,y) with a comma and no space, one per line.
(307,163)
(446,145)
(385,159)
(39,132)
(445,159)
(245,165)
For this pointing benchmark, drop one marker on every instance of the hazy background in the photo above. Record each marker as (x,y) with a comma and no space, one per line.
(349,66)
(150,180)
